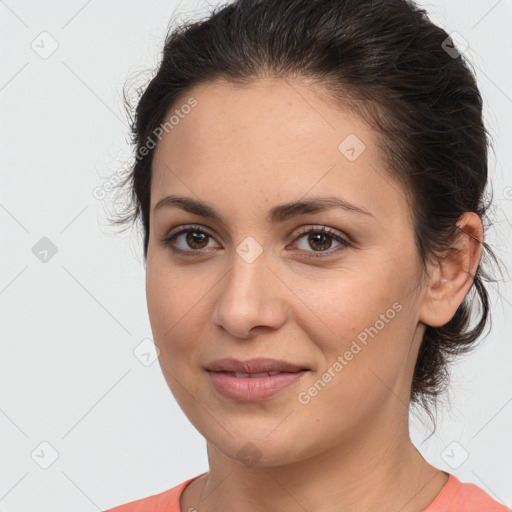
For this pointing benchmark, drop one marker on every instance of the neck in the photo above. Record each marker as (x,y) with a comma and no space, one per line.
(379,469)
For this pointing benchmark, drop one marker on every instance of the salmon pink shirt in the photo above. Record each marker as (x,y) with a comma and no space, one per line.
(455,496)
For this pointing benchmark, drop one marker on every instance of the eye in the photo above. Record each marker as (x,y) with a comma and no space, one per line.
(196,240)
(321,239)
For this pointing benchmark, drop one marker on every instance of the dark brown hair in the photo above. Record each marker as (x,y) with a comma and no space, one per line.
(388,62)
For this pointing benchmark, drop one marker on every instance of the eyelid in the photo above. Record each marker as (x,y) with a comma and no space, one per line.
(178,230)
(320,228)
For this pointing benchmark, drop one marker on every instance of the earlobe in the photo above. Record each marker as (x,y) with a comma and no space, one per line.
(452,279)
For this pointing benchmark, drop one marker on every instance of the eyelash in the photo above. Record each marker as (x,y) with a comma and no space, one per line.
(169,241)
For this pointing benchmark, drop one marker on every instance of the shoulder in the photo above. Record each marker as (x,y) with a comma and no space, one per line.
(168,500)
(457,496)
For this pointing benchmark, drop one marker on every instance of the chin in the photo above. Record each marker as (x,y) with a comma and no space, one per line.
(258,450)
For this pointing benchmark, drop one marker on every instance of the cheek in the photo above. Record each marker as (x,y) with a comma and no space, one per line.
(176,308)
(361,367)
(166,299)
(344,306)
(361,324)
(161,302)
(171,311)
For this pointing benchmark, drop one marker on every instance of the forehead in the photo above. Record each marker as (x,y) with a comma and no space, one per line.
(271,141)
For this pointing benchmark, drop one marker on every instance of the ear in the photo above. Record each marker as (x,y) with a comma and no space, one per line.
(452,278)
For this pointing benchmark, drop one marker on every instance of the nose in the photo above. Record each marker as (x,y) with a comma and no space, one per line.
(250,295)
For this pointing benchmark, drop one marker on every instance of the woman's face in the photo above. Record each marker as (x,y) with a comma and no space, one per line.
(260,280)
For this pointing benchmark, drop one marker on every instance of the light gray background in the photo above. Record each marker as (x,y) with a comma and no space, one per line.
(69,326)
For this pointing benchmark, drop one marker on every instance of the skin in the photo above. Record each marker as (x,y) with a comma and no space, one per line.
(245,149)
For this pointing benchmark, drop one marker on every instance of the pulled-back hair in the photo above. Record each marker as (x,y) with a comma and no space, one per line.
(386,61)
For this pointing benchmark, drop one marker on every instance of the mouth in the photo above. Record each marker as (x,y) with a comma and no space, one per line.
(253,380)
(253,375)
(258,367)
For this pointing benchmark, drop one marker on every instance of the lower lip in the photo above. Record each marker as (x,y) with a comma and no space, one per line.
(252,388)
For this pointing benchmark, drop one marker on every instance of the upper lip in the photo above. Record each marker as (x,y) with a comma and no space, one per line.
(257,365)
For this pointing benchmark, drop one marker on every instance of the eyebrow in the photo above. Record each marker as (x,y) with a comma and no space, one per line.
(277,214)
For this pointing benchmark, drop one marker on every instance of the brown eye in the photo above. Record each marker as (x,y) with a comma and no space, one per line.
(324,241)
(194,238)
(188,240)
(320,239)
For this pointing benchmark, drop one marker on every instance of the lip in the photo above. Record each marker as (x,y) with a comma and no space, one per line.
(250,388)
(256,365)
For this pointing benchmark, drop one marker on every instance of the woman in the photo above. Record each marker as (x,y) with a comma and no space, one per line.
(310,176)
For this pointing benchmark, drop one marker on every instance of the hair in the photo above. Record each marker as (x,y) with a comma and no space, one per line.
(384,60)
